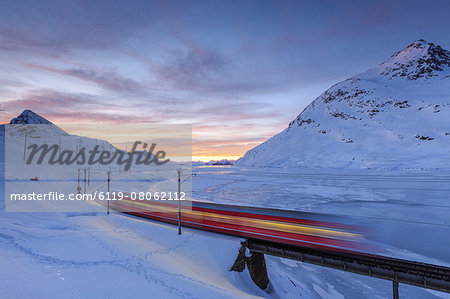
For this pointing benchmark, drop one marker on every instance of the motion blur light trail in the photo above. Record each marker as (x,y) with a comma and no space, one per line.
(286,227)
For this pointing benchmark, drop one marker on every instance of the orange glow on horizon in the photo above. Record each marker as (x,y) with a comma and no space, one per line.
(205,145)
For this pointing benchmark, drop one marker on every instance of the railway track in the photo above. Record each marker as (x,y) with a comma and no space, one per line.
(314,238)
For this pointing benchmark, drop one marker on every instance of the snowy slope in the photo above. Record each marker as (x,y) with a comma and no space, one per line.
(393,116)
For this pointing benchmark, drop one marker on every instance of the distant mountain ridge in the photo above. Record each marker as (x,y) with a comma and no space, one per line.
(393,116)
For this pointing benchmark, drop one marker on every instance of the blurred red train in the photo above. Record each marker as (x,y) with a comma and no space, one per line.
(305,229)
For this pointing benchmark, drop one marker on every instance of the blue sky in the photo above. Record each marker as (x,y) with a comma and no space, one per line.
(239,71)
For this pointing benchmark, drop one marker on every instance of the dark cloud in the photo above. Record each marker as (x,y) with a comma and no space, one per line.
(215,73)
(67,25)
(61,106)
(193,67)
(50,99)
(107,79)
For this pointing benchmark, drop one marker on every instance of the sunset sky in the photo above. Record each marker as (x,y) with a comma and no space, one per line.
(238,71)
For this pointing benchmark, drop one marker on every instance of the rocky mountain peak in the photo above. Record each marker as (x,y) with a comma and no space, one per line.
(29,117)
(419,59)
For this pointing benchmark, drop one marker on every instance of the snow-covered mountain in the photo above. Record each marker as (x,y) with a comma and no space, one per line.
(45,127)
(30,128)
(29,117)
(224,162)
(396,115)
(221,162)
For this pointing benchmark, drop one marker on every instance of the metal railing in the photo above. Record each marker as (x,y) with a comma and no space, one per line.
(397,270)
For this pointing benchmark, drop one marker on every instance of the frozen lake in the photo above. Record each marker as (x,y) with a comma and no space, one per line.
(410,210)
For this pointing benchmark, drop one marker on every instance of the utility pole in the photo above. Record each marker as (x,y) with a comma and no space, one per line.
(78,188)
(85,181)
(179,196)
(79,144)
(179,200)
(107,198)
(25,145)
(26,139)
(89,176)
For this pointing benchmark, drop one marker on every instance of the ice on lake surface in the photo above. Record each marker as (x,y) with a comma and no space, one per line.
(409,209)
